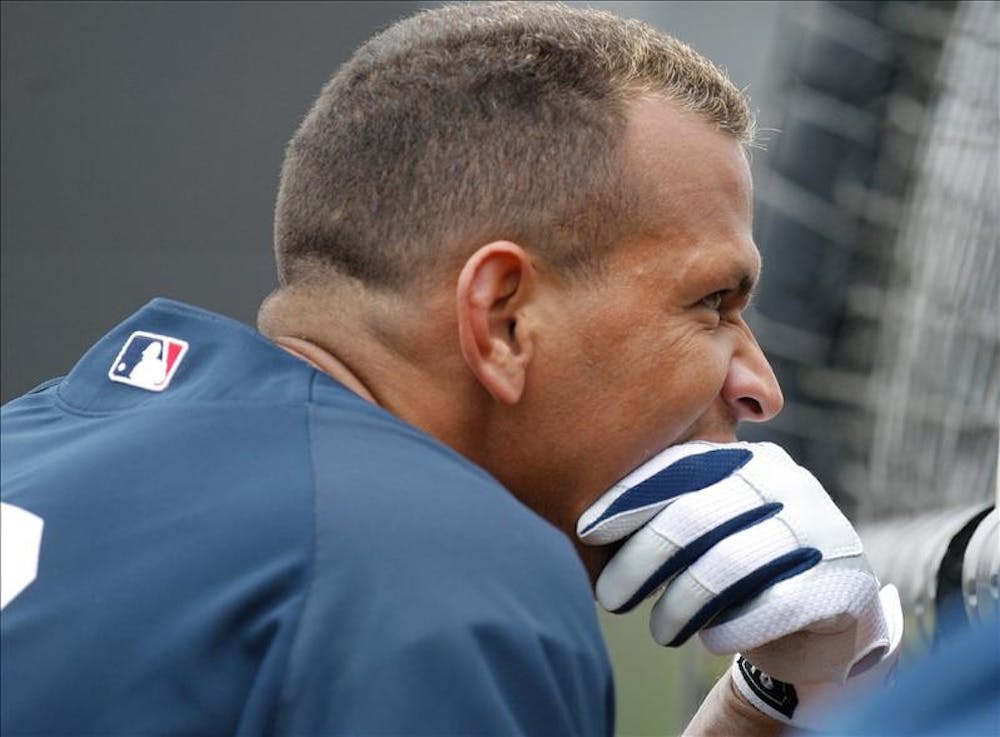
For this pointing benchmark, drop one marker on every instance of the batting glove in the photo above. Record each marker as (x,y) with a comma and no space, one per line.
(751,553)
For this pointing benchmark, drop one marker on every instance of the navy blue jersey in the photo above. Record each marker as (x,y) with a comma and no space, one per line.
(231,542)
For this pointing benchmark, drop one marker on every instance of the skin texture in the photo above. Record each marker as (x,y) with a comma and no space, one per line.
(725,713)
(560,388)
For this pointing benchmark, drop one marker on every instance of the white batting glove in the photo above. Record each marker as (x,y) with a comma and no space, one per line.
(751,553)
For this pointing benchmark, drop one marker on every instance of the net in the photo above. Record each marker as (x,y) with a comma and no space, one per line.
(883,318)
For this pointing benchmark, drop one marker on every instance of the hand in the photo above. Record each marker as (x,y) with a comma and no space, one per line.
(751,553)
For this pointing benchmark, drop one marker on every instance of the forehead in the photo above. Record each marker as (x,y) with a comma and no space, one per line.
(677,159)
(693,184)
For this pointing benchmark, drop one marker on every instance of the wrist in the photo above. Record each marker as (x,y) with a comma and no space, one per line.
(725,713)
(746,712)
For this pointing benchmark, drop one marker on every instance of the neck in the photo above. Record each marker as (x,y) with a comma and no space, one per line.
(324,361)
(387,351)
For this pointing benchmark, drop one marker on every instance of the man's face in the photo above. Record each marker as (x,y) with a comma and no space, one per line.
(657,352)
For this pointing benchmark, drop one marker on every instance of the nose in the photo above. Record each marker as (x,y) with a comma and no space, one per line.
(751,389)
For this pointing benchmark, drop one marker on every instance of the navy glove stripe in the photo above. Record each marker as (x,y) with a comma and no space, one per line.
(696,548)
(785,566)
(692,473)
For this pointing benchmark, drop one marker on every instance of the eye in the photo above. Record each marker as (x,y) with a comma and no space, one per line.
(714,300)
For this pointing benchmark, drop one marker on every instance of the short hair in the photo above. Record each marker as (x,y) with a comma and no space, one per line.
(469,123)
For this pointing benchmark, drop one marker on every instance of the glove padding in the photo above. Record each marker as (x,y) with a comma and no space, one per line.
(752,554)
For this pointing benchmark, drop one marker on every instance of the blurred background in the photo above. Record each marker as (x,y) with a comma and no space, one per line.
(141,144)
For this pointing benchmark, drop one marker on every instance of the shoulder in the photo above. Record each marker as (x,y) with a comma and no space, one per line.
(176,522)
(390,493)
(433,581)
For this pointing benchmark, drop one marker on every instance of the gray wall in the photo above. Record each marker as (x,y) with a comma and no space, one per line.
(141,145)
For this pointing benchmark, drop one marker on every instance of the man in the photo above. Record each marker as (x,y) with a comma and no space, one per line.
(514,245)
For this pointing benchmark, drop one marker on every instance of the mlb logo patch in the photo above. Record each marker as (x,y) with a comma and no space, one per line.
(148,361)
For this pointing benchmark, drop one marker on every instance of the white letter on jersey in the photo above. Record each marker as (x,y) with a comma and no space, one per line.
(20,543)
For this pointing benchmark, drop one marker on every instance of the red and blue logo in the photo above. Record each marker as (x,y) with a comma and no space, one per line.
(148,361)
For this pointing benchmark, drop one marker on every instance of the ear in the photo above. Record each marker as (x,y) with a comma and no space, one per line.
(494,286)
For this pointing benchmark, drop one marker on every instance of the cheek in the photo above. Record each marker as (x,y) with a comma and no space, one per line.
(693,375)
(646,385)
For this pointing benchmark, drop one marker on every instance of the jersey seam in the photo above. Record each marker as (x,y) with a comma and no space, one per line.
(55,381)
(200,405)
(311,576)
